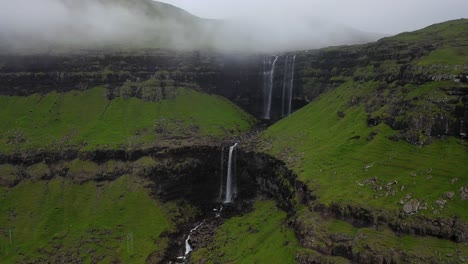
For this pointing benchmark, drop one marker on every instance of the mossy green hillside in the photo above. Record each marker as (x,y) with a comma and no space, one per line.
(325,233)
(452,32)
(261,236)
(88,119)
(61,220)
(448,38)
(330,145)
(446,56)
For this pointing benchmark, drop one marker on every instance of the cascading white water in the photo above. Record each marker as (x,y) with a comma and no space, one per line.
(266,61)
(229,185)
(288,84)
(188,247)
(268,81)
(285,85)
(291,85)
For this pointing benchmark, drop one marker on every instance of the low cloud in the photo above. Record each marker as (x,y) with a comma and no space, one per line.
(50,25)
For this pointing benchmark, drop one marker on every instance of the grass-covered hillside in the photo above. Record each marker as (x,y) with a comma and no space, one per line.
(85,212)
(89,120)
(380,140)
(261,236)
(384,144)
(60,221)
(344,160)
(421,77)
(449,41)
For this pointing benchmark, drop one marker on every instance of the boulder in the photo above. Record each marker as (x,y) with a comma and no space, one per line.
(411,207)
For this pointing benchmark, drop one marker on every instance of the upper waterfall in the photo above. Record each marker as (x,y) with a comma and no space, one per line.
(268,84)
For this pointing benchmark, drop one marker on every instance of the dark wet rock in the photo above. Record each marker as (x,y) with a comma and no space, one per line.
(371,136)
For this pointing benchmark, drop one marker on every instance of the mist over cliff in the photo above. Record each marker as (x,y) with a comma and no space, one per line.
(51,25)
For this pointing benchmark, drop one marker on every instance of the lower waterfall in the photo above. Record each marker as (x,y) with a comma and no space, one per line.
(229,179)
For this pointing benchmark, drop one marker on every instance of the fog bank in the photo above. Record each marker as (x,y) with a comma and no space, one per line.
(49,25)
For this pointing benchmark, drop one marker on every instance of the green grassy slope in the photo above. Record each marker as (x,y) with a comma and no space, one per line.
(342,162)
(260,236)
(58,220)
(450,41)
(88,119)
(371,241)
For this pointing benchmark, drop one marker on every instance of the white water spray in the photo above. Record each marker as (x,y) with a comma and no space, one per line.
(291,85)
(268,81)
(285,85)
(229,185)
(188,247)
(288,85)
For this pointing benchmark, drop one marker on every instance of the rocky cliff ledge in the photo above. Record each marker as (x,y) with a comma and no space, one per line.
(195,174)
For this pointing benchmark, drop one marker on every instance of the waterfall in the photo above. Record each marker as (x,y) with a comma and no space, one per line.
(188,247)
(291,85)
(285,83)
(268,81)
(288,84)
(229,180)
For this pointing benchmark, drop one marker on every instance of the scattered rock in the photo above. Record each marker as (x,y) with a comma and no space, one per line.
(454,180)
(411,207)
(371,136)
(252,230)
(372,180)
(449,195)
(368,166)
(464,193)
(441,203)
(423,207)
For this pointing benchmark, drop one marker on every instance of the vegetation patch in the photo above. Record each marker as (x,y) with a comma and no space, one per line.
(347,161)
(60,221)
(451,56)
(88,120)
(261,236)
(9,175)
(371,245)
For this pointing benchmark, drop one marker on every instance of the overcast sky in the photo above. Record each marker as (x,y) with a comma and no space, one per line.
(380,16)
(249,26)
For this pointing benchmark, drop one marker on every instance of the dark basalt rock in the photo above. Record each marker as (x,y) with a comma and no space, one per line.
(236,77)
(195,174)
(239,77)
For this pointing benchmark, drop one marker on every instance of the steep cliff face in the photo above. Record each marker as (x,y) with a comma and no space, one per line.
(408,62)
(237,77)
(185,178)
(196,175)
(419,80)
